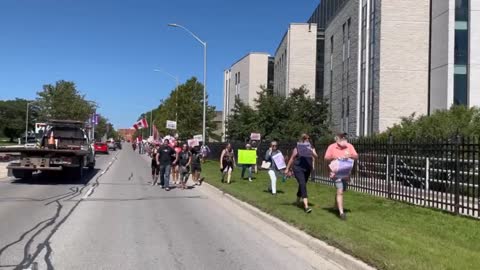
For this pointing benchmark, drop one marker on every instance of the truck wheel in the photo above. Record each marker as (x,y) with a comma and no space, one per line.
(22,174)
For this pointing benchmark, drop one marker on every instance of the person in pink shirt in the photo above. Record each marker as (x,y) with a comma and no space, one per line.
(340,149)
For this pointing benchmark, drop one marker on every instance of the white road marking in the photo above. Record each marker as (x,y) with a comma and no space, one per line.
(89,192)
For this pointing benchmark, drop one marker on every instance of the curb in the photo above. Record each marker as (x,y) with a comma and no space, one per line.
(320,247)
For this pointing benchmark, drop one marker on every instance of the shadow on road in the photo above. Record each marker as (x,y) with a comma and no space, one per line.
(57,178)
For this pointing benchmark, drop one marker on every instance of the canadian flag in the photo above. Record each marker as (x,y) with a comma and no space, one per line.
(142,123)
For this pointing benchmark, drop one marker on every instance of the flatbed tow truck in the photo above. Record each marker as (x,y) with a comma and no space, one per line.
(64,147)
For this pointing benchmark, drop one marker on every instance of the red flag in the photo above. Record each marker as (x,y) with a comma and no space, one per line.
(142,123)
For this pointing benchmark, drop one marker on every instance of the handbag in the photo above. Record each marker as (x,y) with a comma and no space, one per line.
(266,165)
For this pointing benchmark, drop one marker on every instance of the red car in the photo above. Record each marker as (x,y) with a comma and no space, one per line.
(101,147)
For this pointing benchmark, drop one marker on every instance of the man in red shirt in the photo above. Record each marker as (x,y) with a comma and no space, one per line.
(340,150)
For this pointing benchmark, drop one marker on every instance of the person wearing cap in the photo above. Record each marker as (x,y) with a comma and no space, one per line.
(340,149)
(247,167)
(301,161)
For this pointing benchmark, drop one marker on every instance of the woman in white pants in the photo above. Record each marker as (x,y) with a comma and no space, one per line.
(273,172)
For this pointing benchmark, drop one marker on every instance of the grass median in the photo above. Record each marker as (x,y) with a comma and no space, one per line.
(381,232)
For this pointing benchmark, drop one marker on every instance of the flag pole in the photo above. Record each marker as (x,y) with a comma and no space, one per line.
(151,123)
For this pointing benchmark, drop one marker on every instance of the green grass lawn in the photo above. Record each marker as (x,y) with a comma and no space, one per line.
(381,232)
(6,142)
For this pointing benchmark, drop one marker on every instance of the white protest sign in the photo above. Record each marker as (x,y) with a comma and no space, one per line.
(198,137)
(279,161)
(193,143)
(255,136)
(171,124)
(304,149)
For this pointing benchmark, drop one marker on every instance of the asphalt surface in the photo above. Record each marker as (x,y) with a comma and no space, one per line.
(114,219)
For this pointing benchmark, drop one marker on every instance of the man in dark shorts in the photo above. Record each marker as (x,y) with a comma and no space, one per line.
(166,158)
(196,166)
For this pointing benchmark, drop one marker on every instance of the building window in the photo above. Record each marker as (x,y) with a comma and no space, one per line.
(238,77)
(461,55)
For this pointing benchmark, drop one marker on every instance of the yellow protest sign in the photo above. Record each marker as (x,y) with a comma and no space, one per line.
(247,157)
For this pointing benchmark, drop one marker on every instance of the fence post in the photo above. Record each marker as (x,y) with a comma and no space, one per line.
(389,152)
(427,180)
(457,174)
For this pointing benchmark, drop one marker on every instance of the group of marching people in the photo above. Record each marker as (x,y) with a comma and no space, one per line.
(178,161)
(300,164)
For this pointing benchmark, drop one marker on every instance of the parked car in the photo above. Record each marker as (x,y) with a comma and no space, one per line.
(101,147)
(112,145)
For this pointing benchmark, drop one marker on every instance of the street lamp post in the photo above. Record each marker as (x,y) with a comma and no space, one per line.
(204,76)
(176,90)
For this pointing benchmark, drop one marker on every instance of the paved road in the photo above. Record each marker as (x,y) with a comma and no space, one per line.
(114,219)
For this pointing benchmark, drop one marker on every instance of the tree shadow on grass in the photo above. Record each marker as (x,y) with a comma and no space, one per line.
(300,205)
(334,210)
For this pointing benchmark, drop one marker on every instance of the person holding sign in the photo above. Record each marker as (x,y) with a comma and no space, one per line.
(302,163)
(227,163)
(277,161)
(341,156)
(247,167)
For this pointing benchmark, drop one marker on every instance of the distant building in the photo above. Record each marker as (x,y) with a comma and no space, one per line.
(384,60)
(244,79)
(218,120)
(126,133)
(295,59)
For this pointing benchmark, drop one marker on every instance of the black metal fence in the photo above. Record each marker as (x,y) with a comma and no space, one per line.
(442,174)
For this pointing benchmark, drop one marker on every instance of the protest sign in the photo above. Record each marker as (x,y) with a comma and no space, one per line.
(193,143)
(198,137)
(279,161)
(247,157)
(304,149)
(255,136)
(171,124)
(342,168)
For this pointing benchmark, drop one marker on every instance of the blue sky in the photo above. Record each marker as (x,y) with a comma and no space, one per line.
(109,48)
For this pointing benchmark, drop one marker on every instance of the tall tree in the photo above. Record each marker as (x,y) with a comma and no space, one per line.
(278,117)
(187,102)
(13,116)
(241,122)
(63,101)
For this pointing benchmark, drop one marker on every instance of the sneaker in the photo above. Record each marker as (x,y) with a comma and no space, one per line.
(201,180)
(167,189)
(250,180)
(343,216)
(308,210)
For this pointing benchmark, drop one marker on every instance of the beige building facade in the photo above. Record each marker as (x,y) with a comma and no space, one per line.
(377,64)
(244,79)
(295,59)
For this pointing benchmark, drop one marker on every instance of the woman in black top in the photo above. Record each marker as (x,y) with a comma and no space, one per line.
(155,166)
(302,162)
(227,162)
